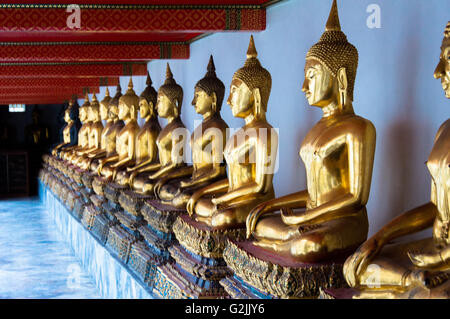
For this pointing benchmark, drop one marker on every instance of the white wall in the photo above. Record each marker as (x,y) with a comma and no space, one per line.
(395,88)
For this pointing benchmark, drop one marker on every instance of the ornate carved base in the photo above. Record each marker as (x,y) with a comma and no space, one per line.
(98,185)
(132,202)
(143,262)
(119,242)
(112,192)
(122,236)
(200,275)
(281,276)
(90,212)
(171,282)
(206,269)
(78,174)
(237,289)
(159,216)
(78,208)
(87,178)
(71,198)
(103,221)
(203,240)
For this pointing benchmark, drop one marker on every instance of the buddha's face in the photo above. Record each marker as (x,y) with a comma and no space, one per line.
(67,116)
(443,70)
(319,84)
(113,111)
(164,106)
(124,111)
(144,108)
(103,111)
(241,99)
(202,102)
(82,114)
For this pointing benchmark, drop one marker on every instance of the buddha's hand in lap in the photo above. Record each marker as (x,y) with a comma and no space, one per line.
(357,263)
(159,184)
(192,202)
(132,177)
(100,167)
(254,216)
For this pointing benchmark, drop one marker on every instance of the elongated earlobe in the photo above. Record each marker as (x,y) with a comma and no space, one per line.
(151,109)
(258,107)
(342,86)
(214,103)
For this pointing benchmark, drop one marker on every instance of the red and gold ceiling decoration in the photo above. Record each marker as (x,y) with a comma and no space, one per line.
(49,52)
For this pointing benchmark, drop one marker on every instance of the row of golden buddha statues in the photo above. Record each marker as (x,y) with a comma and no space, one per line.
(277,241)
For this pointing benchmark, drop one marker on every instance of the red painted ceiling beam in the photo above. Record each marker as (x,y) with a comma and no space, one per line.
(91,52)
(132,18)
(34,101)
(55,82)
(38,99)
(71,70)
(47,91)
(153,2)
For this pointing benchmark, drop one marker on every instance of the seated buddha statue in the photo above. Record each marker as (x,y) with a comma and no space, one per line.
(109,111)
(329,217)
(83,133)
(146,149)
(420,268)
(103,111)
(207,142)
(168,106)
(95,133)
(108,167)
(250,153)
(69,132)
(110,136)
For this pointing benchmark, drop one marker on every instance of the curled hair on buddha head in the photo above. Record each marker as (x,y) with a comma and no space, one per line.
(172,90)
(333,50)
(210,84)
(149,93)
(86,103)
(446,40)
(95,106)
(106,99)
(73,110)
(131,100)
(254,75)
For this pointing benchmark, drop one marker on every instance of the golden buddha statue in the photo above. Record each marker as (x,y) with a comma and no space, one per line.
(250,153)
(419,268)
(329,218)
(69,130)
(169,101)
(83,133)
(146,149)
(95,132)
(104,116)
(109,111)
(207,142)
(125,140)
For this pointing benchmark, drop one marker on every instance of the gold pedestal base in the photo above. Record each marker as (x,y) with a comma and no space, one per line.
(281,276)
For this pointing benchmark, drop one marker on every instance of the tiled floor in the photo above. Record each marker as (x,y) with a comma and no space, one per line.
(35,262)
